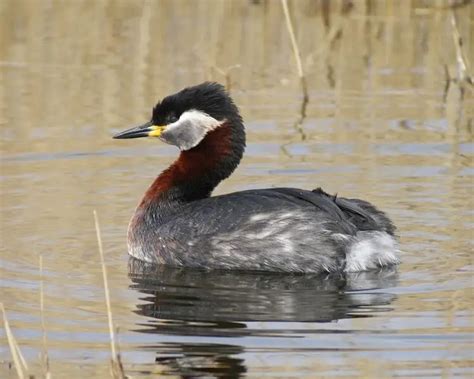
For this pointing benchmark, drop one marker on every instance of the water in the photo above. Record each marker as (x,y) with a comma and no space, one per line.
(381,125)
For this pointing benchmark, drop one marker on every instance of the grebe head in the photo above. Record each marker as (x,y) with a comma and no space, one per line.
(185,118)
(205,124)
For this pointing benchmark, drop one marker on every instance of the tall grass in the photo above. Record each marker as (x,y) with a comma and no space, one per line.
(299,67)
(116,362)
(18,359)
(44,353)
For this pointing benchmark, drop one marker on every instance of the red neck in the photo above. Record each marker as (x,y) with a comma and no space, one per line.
(196,172)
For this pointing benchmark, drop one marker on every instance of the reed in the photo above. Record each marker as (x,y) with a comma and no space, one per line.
(226,73)
(117,367)
(296,52)
(44,352)
(18,359)
(463,75)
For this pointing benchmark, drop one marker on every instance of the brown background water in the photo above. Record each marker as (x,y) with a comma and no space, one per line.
(383,123)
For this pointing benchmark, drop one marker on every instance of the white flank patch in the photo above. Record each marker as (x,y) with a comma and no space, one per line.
(371,250)
(138,253)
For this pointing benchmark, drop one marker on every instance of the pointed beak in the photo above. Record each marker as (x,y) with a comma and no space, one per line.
(145,130)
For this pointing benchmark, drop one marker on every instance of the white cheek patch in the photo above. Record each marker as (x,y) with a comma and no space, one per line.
(190,129)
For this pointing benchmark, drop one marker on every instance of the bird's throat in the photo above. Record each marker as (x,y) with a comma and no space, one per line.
(197,171)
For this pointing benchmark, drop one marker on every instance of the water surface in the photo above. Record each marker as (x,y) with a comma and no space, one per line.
(382,124)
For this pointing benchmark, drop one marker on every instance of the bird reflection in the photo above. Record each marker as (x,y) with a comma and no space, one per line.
(201,305)
(208,360)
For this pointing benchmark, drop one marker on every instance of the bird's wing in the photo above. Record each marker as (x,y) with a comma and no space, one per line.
(254,208)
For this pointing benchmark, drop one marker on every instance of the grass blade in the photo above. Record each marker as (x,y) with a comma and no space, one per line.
(18,359)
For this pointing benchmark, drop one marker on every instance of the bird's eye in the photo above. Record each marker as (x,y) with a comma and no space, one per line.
(172,118)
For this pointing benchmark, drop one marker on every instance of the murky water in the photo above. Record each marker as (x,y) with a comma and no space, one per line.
(382,124)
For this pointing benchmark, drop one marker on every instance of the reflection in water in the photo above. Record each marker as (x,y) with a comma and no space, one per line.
(186,302)
(191,360)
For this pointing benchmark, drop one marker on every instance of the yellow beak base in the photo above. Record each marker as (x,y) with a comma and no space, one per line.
(156,130)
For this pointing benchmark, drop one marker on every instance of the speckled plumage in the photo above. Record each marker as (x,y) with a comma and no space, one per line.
(282,229)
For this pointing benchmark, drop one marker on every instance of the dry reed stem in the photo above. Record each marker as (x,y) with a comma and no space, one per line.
(22,359)
(45,357)
(18,360)
(225,72)
(294,45)
(296,52)
(462,63)
(117,368)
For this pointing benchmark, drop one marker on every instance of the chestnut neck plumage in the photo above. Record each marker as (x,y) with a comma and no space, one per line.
(197,171)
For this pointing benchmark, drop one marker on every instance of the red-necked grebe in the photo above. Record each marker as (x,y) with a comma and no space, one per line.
(279,229)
